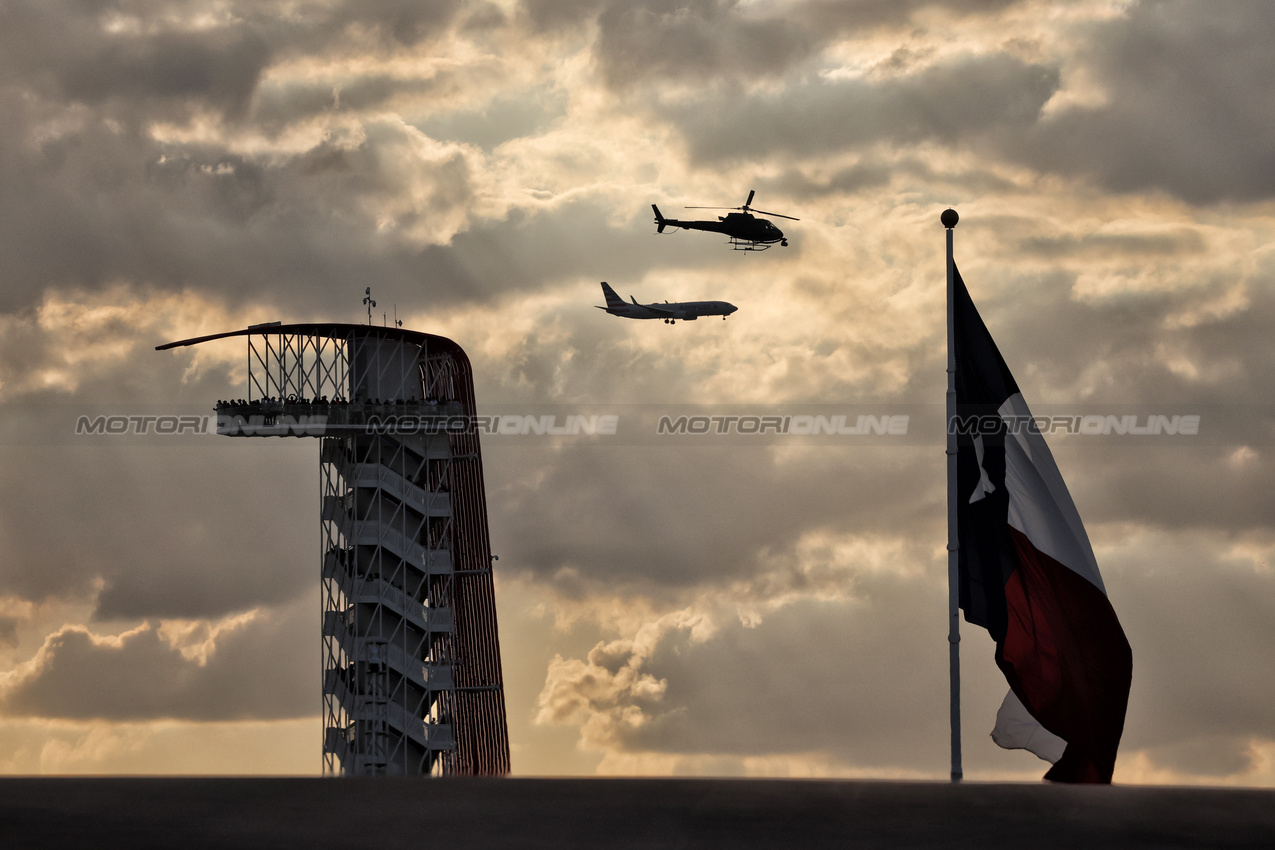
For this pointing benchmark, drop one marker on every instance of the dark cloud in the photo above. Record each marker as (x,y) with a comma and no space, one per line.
(1196,618)
(954,102)
(1188,107)
(824,19)
(101,204)
(860,177)
(858,681)
(840,16)
(9,631)
(408,22)
(146,60)
(276,107)
(483,16)
(692,39)
(863,679)
(1186,486)
(265,669)
(69,51)
(549,15)
(845,678)
(530,250)
(512,116)
(873,173)
(181,528)
(220,69)
(647,521)
(706,41)
(1182,241)
(177,532)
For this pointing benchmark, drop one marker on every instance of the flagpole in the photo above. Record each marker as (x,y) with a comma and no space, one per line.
(949,219)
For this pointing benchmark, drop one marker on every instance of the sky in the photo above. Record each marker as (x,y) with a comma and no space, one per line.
(669,605)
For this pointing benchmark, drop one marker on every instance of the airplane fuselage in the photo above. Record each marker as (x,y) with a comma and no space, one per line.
(669,311)
(687,311)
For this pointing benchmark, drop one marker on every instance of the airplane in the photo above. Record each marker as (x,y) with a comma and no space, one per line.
(670,312)
(746,231)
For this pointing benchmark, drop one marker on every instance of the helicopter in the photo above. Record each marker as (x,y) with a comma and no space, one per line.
(746,231)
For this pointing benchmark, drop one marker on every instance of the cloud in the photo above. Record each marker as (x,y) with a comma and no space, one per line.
(482,171)
(72,51)
(254,667)
(220,69)
(88,526)
(707,41)
(604,693)
(1191,608)
(99,205)
(163,748)
(586,520)
(9,631)
(285,102)
(816,676)
(1186,107)
(549,15)
(856,674)
(515,115)
(851,677)
(954,102)
(173,57)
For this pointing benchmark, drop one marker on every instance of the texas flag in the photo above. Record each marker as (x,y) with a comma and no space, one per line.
(1028,574)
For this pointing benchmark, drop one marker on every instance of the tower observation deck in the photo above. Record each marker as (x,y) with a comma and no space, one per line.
(411,658)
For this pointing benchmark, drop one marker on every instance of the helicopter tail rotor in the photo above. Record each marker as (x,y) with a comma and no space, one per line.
(659,219)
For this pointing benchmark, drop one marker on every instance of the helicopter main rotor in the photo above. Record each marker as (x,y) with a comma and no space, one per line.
(747,208)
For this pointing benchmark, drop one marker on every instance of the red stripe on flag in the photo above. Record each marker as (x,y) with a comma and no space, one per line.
(1068,660)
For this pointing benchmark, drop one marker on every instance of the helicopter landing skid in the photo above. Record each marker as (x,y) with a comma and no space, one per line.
(747,245)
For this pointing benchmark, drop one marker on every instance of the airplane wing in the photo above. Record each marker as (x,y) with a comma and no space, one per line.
(652,307)
(658,309)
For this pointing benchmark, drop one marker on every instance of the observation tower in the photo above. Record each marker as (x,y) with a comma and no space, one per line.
(411,657)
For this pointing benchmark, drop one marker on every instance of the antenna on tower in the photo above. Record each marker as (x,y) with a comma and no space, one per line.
(367,300)
(398,323)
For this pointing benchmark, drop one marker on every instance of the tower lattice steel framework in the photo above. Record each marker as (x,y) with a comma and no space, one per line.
(411,656)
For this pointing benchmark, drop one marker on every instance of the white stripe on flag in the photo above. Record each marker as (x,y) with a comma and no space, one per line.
(1039,504)
(1016,729)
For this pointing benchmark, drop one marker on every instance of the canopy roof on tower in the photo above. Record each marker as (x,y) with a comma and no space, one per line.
(334,330)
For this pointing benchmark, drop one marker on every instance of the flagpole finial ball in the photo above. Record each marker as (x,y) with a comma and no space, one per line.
(949,218)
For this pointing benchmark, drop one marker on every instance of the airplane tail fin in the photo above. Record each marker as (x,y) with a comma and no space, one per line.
(659,219)
(613,300)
